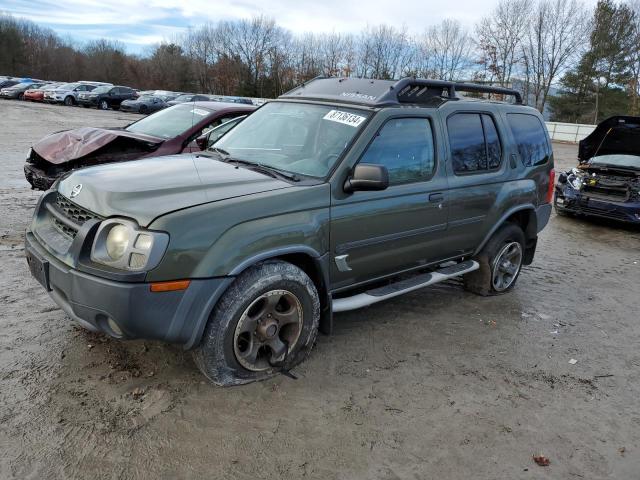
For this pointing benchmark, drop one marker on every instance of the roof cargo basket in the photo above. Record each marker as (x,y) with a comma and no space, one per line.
(417,90)
(379,93)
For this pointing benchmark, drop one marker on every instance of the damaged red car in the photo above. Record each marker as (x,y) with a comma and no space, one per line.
(173,130)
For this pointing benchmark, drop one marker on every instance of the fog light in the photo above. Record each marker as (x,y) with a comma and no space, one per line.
(114,326)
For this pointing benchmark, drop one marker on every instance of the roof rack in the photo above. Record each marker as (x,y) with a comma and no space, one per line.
(416,90)
(378,93)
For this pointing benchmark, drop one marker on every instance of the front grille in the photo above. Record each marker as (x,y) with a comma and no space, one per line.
(75,213)
(619,193)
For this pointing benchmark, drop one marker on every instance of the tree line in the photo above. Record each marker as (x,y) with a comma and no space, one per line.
(592,56)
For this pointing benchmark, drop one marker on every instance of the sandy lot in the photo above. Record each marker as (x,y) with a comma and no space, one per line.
(436,384)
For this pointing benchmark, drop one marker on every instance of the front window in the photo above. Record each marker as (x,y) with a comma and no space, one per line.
(101,90)
(171,122)
(184,98)
(295,137)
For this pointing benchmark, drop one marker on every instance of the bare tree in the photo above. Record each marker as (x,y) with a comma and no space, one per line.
(557,29)
(445,51)
(499,38)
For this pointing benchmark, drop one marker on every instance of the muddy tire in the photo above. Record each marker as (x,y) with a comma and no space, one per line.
(243,339)
(500,262)
(69,101)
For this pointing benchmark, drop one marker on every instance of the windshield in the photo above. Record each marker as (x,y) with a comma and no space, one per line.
(101,90)
(171,122)
(145,98)
(184,98)
(68,86)
(622,161)
(299,138)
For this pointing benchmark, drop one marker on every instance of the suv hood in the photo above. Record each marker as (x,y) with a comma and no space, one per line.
(615,135)
(146,189)
(63,147)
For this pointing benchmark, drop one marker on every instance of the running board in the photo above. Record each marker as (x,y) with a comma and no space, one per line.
(403,286)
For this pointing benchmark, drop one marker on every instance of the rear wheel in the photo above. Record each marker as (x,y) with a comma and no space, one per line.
(267,321)
(500,262)
(143,109)
(21,96)
(69,101)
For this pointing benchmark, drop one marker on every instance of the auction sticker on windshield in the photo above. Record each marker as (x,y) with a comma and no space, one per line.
(344,117)
(200,112)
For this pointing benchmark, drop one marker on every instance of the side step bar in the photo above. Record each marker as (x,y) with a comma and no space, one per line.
(403,286)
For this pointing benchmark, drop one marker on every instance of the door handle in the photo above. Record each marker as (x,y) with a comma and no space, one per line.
(512,160)
(436,197)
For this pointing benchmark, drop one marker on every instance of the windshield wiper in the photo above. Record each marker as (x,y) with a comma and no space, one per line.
(268,169)
(219,150)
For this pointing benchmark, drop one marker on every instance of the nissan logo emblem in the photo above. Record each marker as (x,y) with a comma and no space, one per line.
(75,191)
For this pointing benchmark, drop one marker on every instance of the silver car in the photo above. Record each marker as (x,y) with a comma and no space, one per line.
(67,93)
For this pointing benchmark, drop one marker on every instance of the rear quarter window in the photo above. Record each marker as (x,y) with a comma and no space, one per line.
(530,137)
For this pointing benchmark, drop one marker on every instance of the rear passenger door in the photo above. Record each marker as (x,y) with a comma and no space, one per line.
(477,171)
(374,234)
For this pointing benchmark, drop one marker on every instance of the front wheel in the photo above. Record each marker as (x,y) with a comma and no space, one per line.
(103,105)
(266,322)
(500,262)
(69,101)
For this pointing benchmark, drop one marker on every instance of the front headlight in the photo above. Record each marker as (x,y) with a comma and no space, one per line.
(122,244)
(117,241)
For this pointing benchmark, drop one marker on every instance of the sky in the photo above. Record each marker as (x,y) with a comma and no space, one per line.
(142,23)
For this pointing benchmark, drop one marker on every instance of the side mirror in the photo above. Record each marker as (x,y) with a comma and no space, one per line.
(367,177)
(201,141)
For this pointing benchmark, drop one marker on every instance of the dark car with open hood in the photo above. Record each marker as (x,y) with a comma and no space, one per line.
(340,194)
(606,181)
(167,132)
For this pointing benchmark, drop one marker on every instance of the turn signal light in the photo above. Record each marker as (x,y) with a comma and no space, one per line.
(170,286)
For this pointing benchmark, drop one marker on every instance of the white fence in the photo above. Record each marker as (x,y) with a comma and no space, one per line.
(568,132)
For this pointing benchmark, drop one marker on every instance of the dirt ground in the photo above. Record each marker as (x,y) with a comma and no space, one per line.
(436,384)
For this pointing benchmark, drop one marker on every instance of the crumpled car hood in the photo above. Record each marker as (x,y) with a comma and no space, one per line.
(615,135)
(148,188)
(70,145)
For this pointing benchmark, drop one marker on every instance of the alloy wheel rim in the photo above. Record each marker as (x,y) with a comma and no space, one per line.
(268,330)
(506,266)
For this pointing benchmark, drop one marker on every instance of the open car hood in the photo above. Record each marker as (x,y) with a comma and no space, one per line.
(70,145)
(615,135)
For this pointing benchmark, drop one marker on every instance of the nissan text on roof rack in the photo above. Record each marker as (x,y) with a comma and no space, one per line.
(340,194)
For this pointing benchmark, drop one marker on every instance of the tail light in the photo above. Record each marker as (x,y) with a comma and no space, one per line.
(552,182)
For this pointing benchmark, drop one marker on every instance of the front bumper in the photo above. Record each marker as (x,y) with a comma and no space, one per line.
(38,178)
(569,200)
(96,303)
(88,101)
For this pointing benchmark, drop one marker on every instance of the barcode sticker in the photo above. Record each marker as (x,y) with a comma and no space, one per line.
(347,118)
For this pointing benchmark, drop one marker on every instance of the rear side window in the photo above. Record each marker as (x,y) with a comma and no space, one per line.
(474,141)
(405,147)
(530,137)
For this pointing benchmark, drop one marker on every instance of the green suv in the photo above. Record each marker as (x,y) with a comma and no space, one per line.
(337,195)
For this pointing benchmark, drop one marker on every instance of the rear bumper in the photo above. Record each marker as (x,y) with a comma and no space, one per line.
(97,303)
(569,200)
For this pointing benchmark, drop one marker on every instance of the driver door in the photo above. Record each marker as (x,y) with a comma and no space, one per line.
(379,233)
